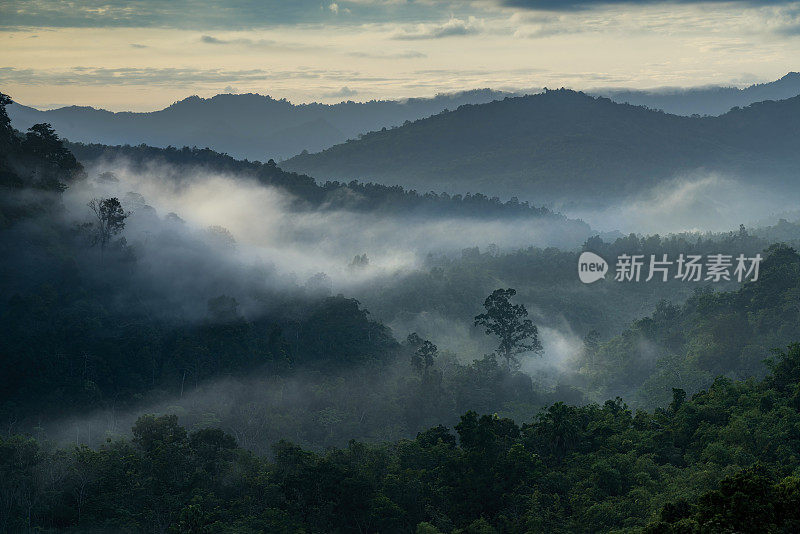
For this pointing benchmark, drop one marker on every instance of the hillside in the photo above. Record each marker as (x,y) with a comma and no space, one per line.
(566,146)
(246,126)
(310,195)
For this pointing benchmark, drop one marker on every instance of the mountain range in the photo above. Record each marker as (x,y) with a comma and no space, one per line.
(714,100)
(563,144)
(244,125)
(261,127)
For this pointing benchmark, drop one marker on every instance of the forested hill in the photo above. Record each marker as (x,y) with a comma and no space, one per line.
(180,164)
(565,145)
(248,125)
(712,334)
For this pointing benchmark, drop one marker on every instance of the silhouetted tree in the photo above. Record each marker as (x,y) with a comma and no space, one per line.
(424,353)
(110,220)
(52,161)
(509,322)
(5,121)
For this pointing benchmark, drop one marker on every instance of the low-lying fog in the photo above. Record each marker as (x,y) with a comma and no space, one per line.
(264,227)
(252,236)
(700,201)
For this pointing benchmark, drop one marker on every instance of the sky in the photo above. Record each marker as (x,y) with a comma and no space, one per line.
(143,55)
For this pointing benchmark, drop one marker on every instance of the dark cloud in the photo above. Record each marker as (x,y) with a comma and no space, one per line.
(137,45)
(157,13)
(213,40)
(209,14)
(573,5)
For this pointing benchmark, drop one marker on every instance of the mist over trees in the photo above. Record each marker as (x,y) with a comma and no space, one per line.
(159,374)
(689,468)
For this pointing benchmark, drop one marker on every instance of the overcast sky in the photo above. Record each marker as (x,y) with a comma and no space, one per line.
(145,54)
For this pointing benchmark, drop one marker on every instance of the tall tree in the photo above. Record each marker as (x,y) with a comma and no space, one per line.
(424,353)
(51,160)
(5,121)
(509,322)
(110,220)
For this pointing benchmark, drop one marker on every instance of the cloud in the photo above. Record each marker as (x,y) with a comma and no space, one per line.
(156,13)
(137,45)
(788,22)
(212,40)
(451,28)
(210,14)
(342,93)
(572,5)
(408,54)
(256,43)
(179,77)
(699,200)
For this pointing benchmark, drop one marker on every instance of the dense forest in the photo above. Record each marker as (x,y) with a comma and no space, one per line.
(156,378)
(724,460)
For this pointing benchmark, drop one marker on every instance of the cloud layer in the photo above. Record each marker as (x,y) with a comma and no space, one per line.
(381,49)
(568,5)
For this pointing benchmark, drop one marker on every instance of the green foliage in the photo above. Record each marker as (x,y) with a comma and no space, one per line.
(723,461)
(74,340)
(713,333)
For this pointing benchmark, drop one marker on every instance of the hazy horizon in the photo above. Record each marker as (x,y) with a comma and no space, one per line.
(111,56)
(322,99)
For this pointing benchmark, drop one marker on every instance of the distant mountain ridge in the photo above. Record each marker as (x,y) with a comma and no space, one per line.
(246,125)
(713,100)
(260,127)
(563,145)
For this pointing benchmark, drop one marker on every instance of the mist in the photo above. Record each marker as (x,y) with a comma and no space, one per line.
(202,234)
(251,224)
(694,202)
(310,408)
